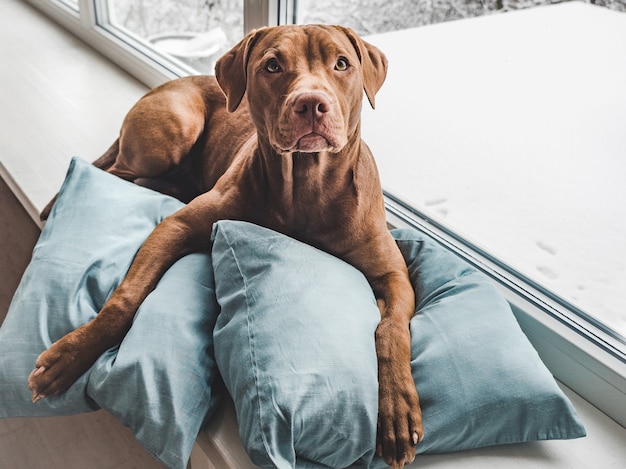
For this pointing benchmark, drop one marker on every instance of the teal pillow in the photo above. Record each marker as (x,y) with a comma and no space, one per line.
(295,346)
(159,381)
(480,381)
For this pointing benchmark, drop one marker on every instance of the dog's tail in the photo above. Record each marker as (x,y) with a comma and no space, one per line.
(104,163)
(109,156)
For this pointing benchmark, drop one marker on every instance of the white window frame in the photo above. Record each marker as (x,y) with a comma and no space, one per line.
(579,354)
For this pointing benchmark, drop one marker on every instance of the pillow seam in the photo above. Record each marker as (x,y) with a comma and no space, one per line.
(251,342)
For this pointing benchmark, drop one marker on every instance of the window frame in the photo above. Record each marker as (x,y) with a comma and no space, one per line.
(578,353)
(138,60)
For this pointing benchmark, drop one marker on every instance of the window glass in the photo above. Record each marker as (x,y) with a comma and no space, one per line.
(379,16)
(509,132)
(196,32)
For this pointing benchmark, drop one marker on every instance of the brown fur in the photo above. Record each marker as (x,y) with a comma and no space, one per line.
(274,139)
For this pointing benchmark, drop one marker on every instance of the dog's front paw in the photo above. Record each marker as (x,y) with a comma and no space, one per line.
(399,427)
(57,368)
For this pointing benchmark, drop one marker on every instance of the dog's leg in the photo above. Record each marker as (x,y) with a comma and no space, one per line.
(57,368)
(186,231)
(399,415)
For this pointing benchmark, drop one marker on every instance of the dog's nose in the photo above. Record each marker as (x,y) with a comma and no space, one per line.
(315,104)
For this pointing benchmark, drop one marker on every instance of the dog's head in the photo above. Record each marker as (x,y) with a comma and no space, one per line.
(304,84)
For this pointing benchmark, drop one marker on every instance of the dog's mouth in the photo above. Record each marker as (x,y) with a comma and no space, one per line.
(312,142)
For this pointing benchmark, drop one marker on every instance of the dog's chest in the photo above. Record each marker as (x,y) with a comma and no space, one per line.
(307,197)
(313,218)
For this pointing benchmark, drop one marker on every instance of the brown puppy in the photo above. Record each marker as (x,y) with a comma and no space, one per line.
(281,149)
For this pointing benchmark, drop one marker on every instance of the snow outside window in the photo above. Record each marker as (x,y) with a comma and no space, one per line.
(194,32)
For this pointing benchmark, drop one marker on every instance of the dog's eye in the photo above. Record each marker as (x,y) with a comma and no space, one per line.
(273,66)
(341,65)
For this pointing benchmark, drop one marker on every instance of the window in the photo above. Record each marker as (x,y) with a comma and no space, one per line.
(192,32)
(531,198)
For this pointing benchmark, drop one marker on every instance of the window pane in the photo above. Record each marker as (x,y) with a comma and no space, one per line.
(379,16)
(196,32)
(510,131)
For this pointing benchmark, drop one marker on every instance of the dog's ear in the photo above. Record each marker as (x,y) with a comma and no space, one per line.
(373,63)
(231,70)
